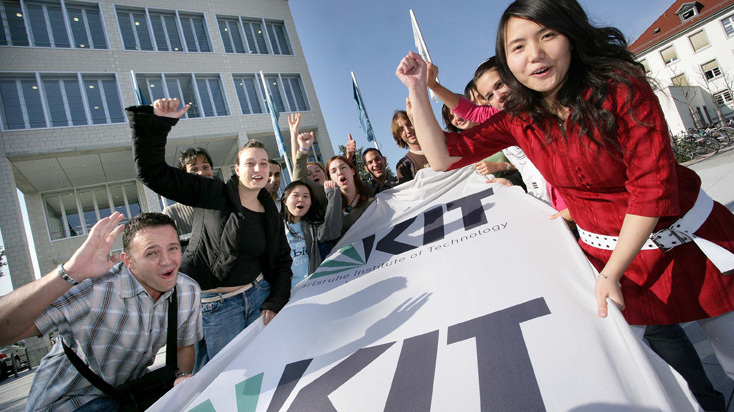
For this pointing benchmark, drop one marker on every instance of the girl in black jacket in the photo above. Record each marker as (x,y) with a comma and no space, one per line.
(238,251)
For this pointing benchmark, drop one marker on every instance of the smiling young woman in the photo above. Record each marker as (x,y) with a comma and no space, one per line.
(581,109)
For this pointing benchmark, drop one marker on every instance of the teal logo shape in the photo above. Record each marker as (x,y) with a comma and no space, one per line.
(346,258)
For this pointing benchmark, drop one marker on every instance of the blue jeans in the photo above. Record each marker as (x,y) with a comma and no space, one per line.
(100,405)
(671,343)
(226,318)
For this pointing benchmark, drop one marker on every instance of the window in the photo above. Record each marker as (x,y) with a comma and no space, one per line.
(687,11)
(680,80)
(52,24)
(728,24)
(30,101)
(699,40)
(711,70)
(286,91)
(278,37)
(73,212)
(669,54)
(202,91)
(723,98)
(162,30)
(249,93)
(247,35)
(646,65)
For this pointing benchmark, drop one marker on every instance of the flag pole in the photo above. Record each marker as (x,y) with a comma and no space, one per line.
(366,126)
(136,89)
(276,129)
(420,44)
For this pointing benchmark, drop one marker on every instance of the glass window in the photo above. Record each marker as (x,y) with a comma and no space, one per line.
(63,208)
(278,37)
(49,27)
(699,40)
(255,36)
(247,93)
(212,97)
(669,54)
(134,29)
(229,29)
(194,29)
(14,32)
(723,98)
(294,93)
(728,24)
(22,106)
(711,70)
(165,30)
(273,85)
(646,65)
(680,80)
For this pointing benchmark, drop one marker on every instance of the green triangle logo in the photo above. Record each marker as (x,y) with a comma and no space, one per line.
(346,258)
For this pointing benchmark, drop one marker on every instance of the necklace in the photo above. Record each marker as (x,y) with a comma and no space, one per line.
(349,207)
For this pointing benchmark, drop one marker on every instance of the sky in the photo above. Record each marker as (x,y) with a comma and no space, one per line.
(371,37)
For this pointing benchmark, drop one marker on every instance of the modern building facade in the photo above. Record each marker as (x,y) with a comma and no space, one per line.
(689,52)
(66,74)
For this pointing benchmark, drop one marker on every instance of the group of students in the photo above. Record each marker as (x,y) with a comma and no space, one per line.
(563,102)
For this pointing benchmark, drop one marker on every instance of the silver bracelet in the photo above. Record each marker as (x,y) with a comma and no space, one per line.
(180,374)
(509,166)
(66,276)
(607,278)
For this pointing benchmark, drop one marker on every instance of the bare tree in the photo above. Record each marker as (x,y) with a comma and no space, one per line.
(707,84)
(687,93)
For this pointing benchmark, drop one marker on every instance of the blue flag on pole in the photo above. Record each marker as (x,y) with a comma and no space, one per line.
(274,115)
(363,119)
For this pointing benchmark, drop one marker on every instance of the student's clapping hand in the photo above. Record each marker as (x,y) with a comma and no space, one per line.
(169,108)
(305,140)
(329,184)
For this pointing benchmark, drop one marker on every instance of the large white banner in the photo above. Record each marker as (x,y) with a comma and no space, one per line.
(449,294)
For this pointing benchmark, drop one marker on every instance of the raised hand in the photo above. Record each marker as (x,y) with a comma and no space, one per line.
(305,141)
(93,257)
(294,122)
(329,184)
(431,74)
(169,108)
(412,71)
(351,147)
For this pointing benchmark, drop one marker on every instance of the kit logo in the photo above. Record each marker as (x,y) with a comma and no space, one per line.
(434,229)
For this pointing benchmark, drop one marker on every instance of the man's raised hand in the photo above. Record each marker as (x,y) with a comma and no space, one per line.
(93,256)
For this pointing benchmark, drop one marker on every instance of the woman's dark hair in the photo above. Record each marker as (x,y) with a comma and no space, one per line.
(315,212)
(446,115)
(362,192)
(598,55)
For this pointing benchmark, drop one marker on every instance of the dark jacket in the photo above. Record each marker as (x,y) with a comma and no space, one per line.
(214,248)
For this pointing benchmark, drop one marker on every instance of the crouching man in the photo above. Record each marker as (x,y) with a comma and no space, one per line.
(113,315)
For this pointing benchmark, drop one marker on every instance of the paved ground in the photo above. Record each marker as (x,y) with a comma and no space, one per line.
(715,173)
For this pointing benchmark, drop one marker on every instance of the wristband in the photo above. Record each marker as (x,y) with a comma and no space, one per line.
(303,150)
(66,276)
(509,166)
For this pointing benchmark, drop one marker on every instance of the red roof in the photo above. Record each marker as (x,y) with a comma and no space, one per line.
(670,24)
